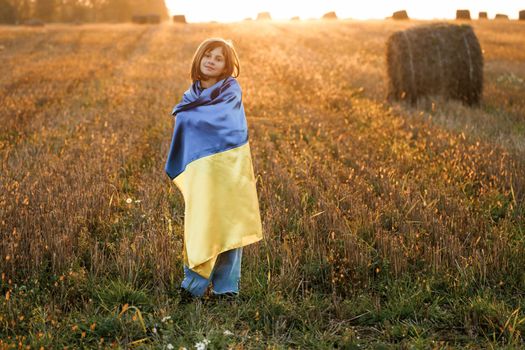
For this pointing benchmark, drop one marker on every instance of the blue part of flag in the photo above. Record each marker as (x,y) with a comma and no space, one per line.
(208,121)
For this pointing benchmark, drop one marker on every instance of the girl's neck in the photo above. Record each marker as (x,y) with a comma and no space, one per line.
(208,82)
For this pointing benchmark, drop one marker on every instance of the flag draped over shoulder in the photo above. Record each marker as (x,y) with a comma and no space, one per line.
(210,162)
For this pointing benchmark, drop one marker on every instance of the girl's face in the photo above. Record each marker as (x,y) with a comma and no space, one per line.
(212,63)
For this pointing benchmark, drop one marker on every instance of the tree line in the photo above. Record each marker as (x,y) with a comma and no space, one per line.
(19,11)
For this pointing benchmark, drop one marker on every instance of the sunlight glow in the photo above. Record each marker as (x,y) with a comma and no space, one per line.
(236,10)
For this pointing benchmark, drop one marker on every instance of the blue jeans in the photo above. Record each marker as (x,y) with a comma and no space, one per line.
(225,275)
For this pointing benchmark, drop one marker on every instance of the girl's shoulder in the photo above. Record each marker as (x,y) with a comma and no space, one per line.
(231,85)
(231,81)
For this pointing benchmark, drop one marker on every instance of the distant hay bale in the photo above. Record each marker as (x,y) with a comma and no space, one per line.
(146,19)
(437,59)
(139,19)
(295,18)
(179,19)
(522,15)
(248,19)
(34,22)
(264,16)
(153,18)
(483,15)
(463,14)
(330,15)
(400,15)
(501,16)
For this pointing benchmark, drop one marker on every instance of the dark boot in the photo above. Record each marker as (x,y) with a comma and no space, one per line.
(228,296)
(186,297)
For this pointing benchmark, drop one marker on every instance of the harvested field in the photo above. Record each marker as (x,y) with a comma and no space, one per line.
(385,223)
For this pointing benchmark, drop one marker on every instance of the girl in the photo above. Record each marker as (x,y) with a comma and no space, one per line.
(210,162)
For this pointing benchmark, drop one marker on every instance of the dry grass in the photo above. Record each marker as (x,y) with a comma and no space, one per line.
(351,188)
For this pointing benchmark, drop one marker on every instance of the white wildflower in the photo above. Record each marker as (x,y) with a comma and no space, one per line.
(137,201)
(129,200)
(170,347)
(202,345)
(227,332)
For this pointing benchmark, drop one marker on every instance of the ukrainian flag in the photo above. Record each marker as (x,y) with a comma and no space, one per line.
(210,162)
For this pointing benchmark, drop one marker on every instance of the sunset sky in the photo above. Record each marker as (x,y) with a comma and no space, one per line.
(234,10)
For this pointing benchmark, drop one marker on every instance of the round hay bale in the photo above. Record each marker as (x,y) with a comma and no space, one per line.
(153,18)
(501,16)
(295,18)
(463,14)
(264,16)
(402,15)
(139,19)
(522,15)
(179,19)
(330,15)
(483,15)
(34,22)
(437,59)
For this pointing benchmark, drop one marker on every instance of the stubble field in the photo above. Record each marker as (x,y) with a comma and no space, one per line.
(386,225)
